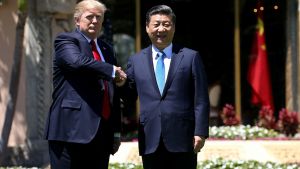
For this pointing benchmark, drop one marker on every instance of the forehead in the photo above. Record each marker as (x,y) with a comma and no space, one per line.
(93,10)
(160,18)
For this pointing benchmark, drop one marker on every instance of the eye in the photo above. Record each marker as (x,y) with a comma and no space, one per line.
(167,24)
(156,25)
(98,17)
(89,17)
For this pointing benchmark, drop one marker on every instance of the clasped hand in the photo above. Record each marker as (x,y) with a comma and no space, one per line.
(120,76)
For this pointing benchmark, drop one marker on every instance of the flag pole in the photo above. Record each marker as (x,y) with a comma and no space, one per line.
(237,68)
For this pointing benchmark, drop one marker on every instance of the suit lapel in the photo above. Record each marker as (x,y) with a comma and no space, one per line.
(176,58)
(86,47)
(148,62)
(108,59)
(106,53)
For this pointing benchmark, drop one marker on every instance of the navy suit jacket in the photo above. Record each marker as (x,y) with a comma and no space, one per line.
(181,112)
(75,113)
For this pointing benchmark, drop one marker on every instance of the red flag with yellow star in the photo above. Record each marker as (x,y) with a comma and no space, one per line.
(258,71)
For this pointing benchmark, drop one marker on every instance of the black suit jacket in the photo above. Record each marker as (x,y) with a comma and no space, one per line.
(181,112)
(75,113)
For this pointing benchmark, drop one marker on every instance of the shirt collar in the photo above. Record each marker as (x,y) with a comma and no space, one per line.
(167,51)
(88,39)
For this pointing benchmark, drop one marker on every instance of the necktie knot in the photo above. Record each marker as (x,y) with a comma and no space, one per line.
(95,51)
(93,44)
(160,55)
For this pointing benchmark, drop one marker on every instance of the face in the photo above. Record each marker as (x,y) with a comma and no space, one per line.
(90,22)
(161,30)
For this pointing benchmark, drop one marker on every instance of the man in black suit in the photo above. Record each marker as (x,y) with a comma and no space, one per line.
(83,126)
(171,84)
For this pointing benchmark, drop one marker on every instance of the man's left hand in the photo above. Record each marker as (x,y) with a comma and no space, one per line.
(198,143)
(116,145)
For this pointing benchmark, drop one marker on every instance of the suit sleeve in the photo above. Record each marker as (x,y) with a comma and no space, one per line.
(71,55)
(201,98)
(129,91)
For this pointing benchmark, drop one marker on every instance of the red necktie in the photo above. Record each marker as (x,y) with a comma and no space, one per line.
(105,105)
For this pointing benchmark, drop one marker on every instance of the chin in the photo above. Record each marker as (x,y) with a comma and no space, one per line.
(93,34)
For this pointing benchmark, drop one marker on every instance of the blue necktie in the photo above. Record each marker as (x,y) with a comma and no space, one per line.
(160,71)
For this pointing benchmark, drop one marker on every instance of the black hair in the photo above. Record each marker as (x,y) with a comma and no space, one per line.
(160,9)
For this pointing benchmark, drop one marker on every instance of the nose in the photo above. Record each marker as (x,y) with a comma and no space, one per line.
(161,28)
(95,19)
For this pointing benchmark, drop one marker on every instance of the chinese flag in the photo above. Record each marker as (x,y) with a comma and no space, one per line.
(258,72)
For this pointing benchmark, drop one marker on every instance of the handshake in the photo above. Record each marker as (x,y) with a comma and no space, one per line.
(120,76)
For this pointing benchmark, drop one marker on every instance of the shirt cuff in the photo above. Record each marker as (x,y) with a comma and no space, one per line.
(114,72)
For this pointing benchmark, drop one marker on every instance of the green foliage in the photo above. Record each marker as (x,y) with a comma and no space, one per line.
(220,163)
(18,168)
(241,132)
(22,5)
(125,166)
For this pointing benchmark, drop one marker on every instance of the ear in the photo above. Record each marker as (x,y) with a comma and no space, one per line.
(76,20)
(147,28)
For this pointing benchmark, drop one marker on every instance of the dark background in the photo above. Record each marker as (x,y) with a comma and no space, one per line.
(208,26)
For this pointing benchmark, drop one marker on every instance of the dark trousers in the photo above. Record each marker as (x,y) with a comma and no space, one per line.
(163,159)
(94,155)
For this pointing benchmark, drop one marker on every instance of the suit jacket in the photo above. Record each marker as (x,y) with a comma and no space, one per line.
(181,112)
(75,113)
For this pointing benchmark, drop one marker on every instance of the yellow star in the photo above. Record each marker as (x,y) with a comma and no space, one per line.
(260,26)
(263,46)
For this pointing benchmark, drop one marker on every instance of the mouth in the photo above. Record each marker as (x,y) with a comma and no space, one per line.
(92,27)
(161,37)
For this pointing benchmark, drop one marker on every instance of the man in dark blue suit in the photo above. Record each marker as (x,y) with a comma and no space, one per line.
(83,126)
(171,84)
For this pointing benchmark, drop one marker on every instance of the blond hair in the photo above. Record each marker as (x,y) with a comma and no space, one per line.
(82,6)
